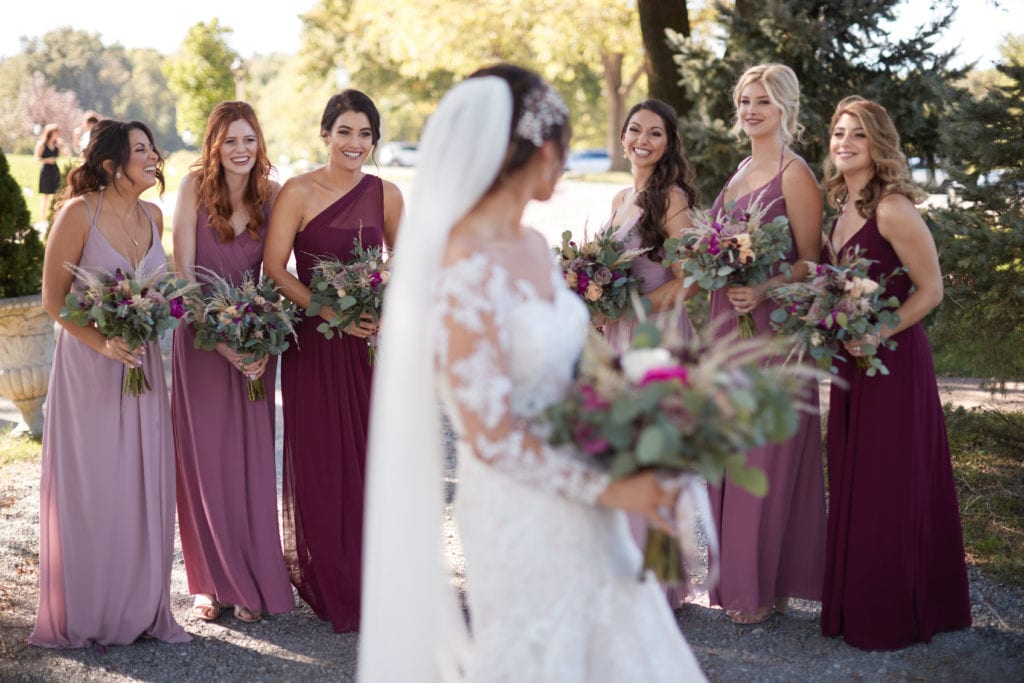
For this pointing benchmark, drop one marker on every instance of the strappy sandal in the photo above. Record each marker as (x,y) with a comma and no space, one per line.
(207,610)
(245,614)
(762,615)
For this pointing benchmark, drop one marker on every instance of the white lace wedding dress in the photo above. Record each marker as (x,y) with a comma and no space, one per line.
(551,577)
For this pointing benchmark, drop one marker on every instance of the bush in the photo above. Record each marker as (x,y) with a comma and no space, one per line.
(21,249)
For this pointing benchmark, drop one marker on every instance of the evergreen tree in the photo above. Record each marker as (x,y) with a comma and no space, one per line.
(836,48)
(21,250)
(981,235)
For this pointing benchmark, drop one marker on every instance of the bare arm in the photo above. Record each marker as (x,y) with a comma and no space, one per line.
(677,217)
(184,229)
(902,226)
(286,219)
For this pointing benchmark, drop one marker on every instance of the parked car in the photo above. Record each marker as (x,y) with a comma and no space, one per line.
(588,161)
(398,154)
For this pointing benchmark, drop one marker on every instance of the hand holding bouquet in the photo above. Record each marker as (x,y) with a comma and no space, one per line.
(722,251)
(352,289)
(694,408)
(835,304)
(600,272)
(253,320)
(137,309)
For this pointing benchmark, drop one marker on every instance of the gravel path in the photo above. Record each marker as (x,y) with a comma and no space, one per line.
(297,646)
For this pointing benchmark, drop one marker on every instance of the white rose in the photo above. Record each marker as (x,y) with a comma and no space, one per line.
(817,339)
(638,362)
(868,286)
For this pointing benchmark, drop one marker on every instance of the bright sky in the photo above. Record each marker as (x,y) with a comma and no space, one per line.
(275,26)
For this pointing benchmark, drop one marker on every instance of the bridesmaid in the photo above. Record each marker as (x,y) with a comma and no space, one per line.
(655,208)
(106,521)
(325,383)
(772,548)
(227,485)
(895,572)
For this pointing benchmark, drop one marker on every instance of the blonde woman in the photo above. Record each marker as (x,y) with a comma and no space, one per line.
(772,548)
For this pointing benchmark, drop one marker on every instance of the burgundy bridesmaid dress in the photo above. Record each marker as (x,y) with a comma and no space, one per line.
(895,572)
(325,385)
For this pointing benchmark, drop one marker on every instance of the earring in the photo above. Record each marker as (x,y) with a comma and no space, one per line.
(117,175)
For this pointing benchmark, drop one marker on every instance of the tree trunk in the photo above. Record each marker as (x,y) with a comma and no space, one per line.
(662,73)
(616,99)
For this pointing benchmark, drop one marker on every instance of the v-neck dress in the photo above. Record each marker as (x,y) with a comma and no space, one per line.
(106,519)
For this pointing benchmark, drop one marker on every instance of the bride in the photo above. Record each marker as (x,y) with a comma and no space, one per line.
(477,314)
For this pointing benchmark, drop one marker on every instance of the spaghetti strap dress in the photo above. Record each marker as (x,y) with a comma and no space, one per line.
(771,547)
(106,518)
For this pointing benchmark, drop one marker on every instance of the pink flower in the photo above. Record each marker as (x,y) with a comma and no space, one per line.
(375,279)
(665,374)
(177,308)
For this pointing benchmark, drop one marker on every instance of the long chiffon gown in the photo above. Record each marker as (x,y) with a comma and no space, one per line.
(619,334)
(895,571)
(227,484)
(106,519)
(771,547)
(326,390)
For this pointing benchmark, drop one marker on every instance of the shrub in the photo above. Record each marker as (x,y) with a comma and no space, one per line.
(21,249)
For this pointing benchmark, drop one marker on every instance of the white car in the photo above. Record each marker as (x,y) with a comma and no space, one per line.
(398,154)
(588,161)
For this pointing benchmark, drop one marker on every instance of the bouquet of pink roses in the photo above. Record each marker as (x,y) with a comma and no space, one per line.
(836,303)
(351,289)
(138,309)
(719,251)
(693,407)
(600,271)
(252,319)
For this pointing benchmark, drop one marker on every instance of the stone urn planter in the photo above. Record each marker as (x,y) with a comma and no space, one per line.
(26,353)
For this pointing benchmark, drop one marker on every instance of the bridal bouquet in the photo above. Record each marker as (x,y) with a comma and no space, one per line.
(252,319)
(351,288)
(138,309)
(600,272)
(836,303)
(722,251)
(691,407)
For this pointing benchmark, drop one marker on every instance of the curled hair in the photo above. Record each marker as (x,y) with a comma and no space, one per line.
(783,88)
(525,83)
(109,141)
(351,100)
(211,184)
(891,172)
(672,170)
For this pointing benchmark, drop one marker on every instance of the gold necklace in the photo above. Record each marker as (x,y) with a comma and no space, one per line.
(133,257)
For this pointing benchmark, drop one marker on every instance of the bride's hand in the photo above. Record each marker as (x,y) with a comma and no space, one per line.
(643,494)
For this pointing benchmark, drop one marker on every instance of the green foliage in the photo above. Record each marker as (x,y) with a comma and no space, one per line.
(200,76)
(980,236)
(988,464)
(77,61)
(144,98)
(836,48)
(21,250)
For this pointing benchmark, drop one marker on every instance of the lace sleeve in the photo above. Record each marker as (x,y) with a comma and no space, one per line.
(474,359)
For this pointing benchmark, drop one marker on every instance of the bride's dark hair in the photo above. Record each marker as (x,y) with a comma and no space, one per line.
(523,82)
(672,170)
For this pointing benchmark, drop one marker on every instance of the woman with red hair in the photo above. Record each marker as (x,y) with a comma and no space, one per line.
(227,487)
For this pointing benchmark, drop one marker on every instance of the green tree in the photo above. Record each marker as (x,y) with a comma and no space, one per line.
(200,76)
(837,48)
(77,61)
(406,53)
(662,78)
(980,235)
(144,98)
